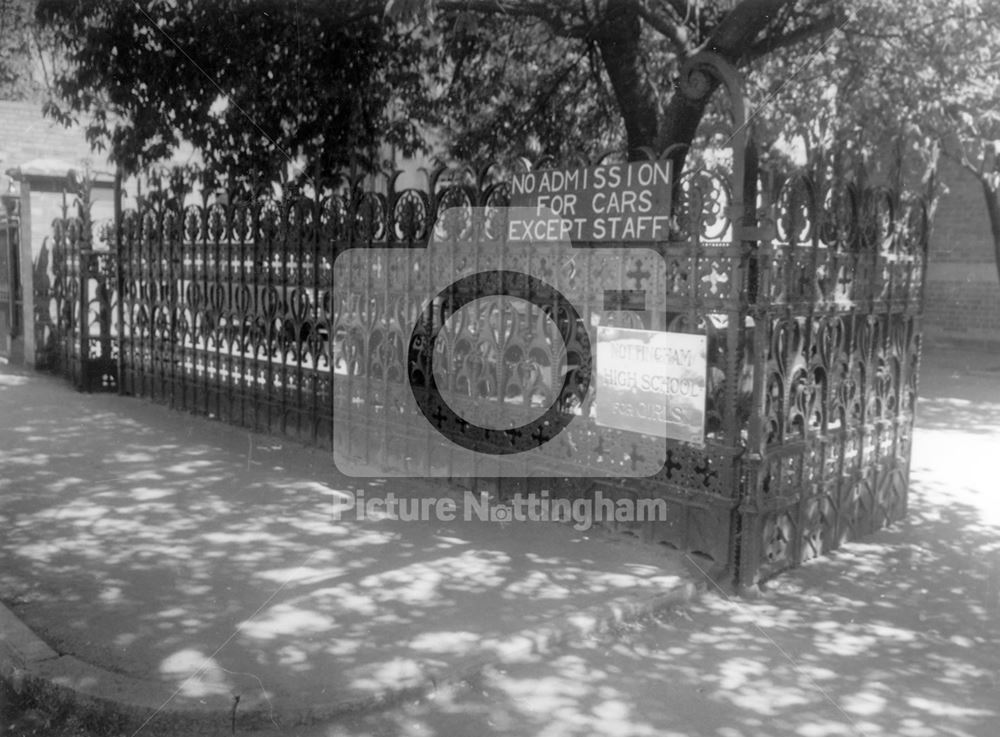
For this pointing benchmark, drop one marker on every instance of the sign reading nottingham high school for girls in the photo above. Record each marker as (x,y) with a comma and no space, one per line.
(613,202)
(652,382)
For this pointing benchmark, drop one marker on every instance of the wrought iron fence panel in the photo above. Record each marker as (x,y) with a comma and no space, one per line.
(76,330)
(838,341)
(227,303)
(231,308)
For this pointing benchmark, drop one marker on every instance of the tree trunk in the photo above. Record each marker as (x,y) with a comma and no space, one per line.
(681,120)
(619,46)
(731,40)
(645,123)
(992,195)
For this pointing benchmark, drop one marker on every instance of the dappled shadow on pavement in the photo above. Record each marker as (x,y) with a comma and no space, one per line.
(895,635)
(166,546)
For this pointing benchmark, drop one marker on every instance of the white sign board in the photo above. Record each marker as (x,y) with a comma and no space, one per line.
(612,202)
(652,382)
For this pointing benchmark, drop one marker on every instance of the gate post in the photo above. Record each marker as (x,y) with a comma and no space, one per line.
(119,280)
(12,339)
(26,263)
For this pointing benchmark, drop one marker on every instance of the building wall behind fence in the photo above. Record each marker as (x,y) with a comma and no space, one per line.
(25,135)
(962,300)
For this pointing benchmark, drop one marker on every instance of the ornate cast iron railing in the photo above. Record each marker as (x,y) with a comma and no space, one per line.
(809,289)
(231,308)
(837,336)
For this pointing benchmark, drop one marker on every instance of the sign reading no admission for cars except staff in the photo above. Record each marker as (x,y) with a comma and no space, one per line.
(613,202)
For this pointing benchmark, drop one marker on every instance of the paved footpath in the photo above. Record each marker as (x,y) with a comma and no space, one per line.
(897,635)
(164,563)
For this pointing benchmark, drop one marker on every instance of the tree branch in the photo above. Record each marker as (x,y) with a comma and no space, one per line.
(740,26)
(668,30)
(823,25)
(681,7)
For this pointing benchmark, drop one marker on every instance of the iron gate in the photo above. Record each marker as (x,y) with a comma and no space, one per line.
(76,330)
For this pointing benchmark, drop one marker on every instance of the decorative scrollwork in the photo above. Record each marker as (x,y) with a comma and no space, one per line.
(795,204)
(703,206)
(370,219)
(878,219)
(411,216)
(233,307)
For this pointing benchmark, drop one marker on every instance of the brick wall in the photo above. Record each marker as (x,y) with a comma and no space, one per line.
(25,134)
(963,290)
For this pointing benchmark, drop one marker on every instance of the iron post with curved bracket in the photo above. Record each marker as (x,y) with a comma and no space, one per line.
(700,76)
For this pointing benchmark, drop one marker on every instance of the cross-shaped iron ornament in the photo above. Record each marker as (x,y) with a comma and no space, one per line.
(638,273)
(715,278)
(670,465)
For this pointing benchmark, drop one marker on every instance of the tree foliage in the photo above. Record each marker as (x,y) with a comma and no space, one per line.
(251,85)
(262,79)
(23,63)
(901,83)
